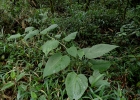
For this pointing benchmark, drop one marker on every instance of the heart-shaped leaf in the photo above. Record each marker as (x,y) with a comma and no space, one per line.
(80,53)
(56,63)
(76,85)
(98,50)
(72,51)
(70,37)
(49,45)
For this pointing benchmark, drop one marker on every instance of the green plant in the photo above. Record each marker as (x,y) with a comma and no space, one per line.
(61,54)
(25,57)
(120,94)
(129,33)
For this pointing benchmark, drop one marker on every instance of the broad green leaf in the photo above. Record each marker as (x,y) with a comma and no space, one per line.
(33,95)
(72,51)
(80,53)
(100,65)
(49,45)
(70,37)
(56,63)
(97,79)
(21,75)
(31,34)
(14,36)
(7,85)
(76,85)
(98,50)
(45,31)
(27,29)
(58,36)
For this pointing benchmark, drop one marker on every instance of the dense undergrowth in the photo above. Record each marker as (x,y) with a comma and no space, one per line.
(64,50)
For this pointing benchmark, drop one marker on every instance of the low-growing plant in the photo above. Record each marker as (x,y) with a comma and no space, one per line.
(60,54)
(129,33)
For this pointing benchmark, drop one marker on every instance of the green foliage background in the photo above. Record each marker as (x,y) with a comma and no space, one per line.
(23,61)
